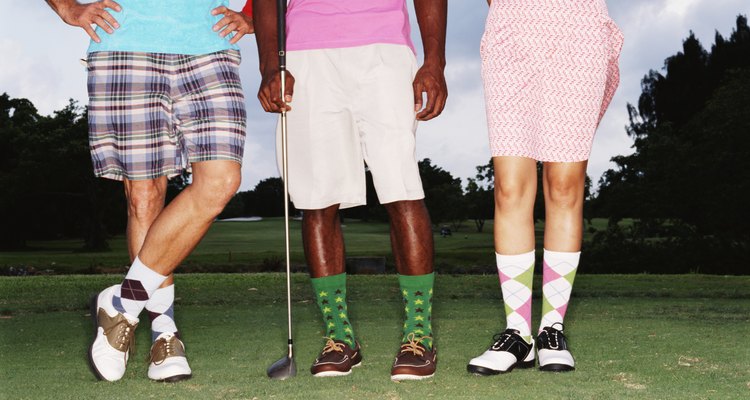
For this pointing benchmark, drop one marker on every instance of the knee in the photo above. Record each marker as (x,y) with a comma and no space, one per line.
(145,199)
(321,216)
(563,192)
(412,210)
(513,194)
(217,191)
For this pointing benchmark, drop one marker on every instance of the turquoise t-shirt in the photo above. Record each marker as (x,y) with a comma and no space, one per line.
(165,26)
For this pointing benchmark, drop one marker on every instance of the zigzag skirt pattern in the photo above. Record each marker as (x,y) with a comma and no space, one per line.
(550,69)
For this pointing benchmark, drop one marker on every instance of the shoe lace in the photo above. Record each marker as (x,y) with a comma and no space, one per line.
(552,335)
(414,344)
(332,346)
(161,350)
(499,339)
(124,335)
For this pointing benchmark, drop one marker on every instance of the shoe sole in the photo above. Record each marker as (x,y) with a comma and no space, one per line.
(484,371)
(408,377)
(557,368)
(94,309)
(173,379)
(330,374)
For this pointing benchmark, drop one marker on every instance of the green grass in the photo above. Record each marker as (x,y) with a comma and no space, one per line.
(634,337)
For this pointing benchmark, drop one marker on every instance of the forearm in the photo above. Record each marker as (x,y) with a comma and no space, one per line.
(264,12)
(432,16)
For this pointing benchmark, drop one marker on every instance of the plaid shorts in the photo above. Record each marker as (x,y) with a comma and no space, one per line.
(153,114)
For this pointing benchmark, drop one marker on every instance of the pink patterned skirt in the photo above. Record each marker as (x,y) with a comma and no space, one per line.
(550,69)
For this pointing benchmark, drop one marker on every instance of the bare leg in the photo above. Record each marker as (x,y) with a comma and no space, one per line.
(563,199)
(182,224)
(515,190)
(145,203)
(411,237)
(323,242)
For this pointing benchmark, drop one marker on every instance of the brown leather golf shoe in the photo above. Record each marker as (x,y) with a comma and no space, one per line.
(414,361)
(336,359)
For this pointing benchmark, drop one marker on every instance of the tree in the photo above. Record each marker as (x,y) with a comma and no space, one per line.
(443,195)
(690,171)
(480,203)
(49,190)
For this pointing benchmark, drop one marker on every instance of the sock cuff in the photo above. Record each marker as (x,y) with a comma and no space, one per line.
(330,281)
(161,300)
(525,259)
(150,279)
(562,256)
(416,281)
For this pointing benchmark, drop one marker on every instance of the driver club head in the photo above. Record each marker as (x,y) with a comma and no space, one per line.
(282,369)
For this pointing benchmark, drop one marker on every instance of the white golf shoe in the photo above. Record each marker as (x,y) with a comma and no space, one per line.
(508,351)
(114,337)
(167,362)
(553,350)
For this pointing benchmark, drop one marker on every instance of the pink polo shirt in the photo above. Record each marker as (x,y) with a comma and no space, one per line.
(327,24)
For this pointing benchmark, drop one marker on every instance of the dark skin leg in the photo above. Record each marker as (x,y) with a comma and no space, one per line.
(411,239)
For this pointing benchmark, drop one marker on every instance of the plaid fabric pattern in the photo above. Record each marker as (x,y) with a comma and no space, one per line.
(153,114)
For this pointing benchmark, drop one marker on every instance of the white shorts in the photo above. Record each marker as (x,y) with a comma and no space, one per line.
(351,106)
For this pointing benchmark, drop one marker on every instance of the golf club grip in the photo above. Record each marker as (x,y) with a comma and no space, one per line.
(281,21)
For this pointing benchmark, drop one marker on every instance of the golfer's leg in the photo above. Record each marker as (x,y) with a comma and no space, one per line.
(145,201)
(323,242)
(411,237)
(324,249)
(563,201)
(515,191)
(413,250)
(563,231)
(182,224)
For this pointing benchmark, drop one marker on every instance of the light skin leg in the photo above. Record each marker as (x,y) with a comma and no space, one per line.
(563,199)
(183,223)
(145,203)
(515,191)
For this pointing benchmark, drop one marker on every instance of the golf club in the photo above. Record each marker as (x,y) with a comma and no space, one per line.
(285,367)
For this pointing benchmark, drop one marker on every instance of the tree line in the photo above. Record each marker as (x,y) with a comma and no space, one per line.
(678,203)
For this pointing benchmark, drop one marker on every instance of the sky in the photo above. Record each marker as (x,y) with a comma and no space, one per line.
(39,60)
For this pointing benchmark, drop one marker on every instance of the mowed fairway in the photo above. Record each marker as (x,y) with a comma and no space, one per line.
(634,337)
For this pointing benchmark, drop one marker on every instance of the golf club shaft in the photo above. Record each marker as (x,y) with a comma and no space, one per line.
(285,176)
(281,15)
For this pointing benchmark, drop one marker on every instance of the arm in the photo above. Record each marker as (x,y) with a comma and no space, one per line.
(241,23)
(432,17)
(85,15)
(266,36)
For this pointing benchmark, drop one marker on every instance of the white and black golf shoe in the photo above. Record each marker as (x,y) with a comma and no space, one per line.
(508,351)
(553,350)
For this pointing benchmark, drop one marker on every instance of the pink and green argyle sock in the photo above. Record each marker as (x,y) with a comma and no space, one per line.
(516,274)
(559,273)
(416,290)
(330,293)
